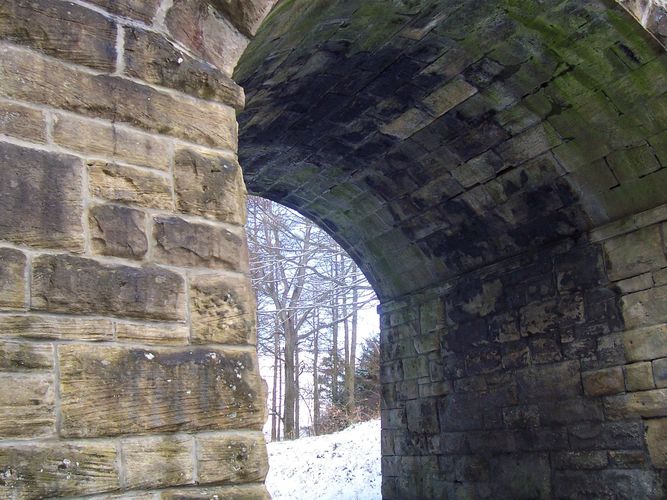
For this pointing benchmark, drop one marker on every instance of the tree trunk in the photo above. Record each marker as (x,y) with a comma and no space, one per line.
(334,339)
(353,347)
(316,387)
(276,370)
(289,401)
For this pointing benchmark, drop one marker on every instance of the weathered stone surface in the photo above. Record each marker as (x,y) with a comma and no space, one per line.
(129,185)
(58,469)
(647,404)
(561,380)
(153,334)
(22,122)
(118,231)
(111,141)
(188,244)
(603,382)
(551,315)
(222,310)
(12,279)
(63,30)
(116,99)
(246,15)
(40,198)
(644,308)
(27,405)
(20,356)
(635,253)
(151,58)
(43,328)
(208,34)
(158,390)
(522,476)
(143,10)
(645,343)
(61,283)
(656,439)
(231,458)
(639,376)
(660,372)
(210,185)
(240,492)
(607,484)
(156,462)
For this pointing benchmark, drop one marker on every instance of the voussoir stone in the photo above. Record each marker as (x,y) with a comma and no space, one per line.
(159,389)
(27,405)
(231,458)
(156,462)
(118,231)
(188,244)
(222,310)
(40,198)
(12,279)
(66,284)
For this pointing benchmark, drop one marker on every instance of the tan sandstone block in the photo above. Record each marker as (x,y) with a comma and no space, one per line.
(27,405)
(231,458)
(21,356)
(156,462)
(639,376)
(109,140)
(210,185)
(129,185)
(635,253)
(157,390)
(240,492)
(74,285)
(647,404)
(656,439)
(143,10)
(188,244)
(222,310)
(42,327)
(645,343)
(603,382)
(246,15)
(153,334)
(115,99)
(40,197)
(644,308)
(22,122)
(12,279)
(118,231)
(57,469)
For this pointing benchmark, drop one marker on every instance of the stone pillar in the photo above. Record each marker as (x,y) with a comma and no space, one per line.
(127,323)
(544,376)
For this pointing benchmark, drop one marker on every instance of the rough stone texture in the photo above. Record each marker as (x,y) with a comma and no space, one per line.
(156,462)
(646,343)
(152,334)
(118,231)
(639,376)
(40,198)
(17,356)
(156,390)
(22,122)
(49,328)
(62,283)
(656,438)
(209,185)
(241,492)
(12,279)
(186,244)
(143,10)
(660,372)
(625,258)
(222,310)
(27,405)
(111,141)
(231,458)
(129,185)
(245,14)
(603,382)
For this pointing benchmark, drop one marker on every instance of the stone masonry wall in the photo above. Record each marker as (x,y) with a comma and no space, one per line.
(127,323)
(540,377)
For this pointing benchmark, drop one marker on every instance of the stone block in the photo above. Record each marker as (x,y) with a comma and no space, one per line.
(188,244)
(118,231)
(62,30)
(151,58)
(12,279)
(222,310)
(115,99)
(246,15)
(635,253)
(521,476)
(40,198)
(422,416)
(557,381)
(660,372)
(577,460)
(644,308)
(153,334)
(27,405)
(231,458)
(551,315)
(209,185)
(157,462)
(449,96)
(607,484)
(111,141)
(236,492)
(43,328)
(73,285)
(606,435)
(58,469)
(22,122)
(521,417)
(23,356)
(656,439)
(639,376)
(129,185)
(567,411)
(157,390)
(142,10)
(636,283)
(645,343)
(603,382)
(646,404)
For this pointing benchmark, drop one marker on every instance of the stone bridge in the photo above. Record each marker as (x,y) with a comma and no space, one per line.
(496,168)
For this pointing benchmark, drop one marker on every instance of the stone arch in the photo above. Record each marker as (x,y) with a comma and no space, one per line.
(505,200)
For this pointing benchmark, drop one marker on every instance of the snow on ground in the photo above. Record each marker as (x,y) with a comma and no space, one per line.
(340,466)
